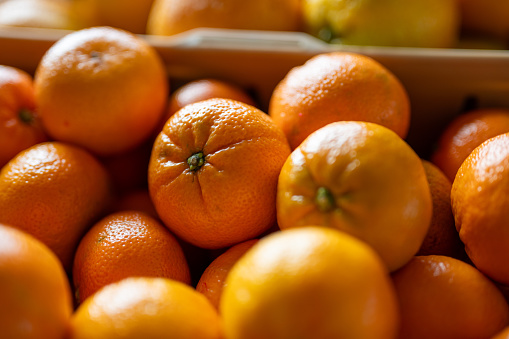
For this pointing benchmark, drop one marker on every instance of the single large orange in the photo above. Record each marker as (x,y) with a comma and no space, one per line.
(309,283)
(441,297)
(361,178)
(480,200)
(20,127)
(55,192)
(126,244)
(102,88)
(466,132)
(145,307)
(214,171)
(338,86)
(34,291)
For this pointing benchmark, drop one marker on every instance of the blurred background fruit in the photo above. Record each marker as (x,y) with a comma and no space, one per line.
(20,127)
(441,297)
(35,295)
(169,17)
(88,89)
(145,307)
(360,178)
(311,282)
(55,192)
(416,23)
(338,86)
(123,245)
(485,18)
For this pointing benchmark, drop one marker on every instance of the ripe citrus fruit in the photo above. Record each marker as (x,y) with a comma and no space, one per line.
(465,133)
(136,200)
(360,178)
(441,297)
(487,18)
(146,308)
(126,244)
(35,293)
(214,170)
(480,199)
(442,237)
(54,191)
(311,282)
(212,280)
(504,334)
(416,23)
(204,89)
(338,86)
(20,127)
(169,17)
(88,90)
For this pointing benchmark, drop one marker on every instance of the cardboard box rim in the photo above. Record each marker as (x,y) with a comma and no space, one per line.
(441,82)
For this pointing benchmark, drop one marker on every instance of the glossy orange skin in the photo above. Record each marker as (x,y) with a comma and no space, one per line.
(480,199)
(54,191)
(377,185)
(169,17)
(101,88)
(213,278)
(146,308)
(338,86)
(441,297)
(232,196)
(442,237)
(465,133)
(35,293)
(504,334)
(310,283)
(126,244)
(20,127)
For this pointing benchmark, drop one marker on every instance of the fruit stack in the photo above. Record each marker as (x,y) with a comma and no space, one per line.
(131,207)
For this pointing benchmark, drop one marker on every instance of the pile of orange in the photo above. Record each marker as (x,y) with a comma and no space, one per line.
(130,209)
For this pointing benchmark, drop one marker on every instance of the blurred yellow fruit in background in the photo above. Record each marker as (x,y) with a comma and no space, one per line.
(170,17)
(416,23)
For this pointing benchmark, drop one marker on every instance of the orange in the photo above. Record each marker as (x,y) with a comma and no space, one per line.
(101,88)
(169,17)
(146,308)
(504,334)
(338,86)
(442,237)
(487,18)
(212,280)
(480,199)
(54,191)
(138,200)
(466,132)
(35,292)
(126,244)
(363,179)
(204,89)
(441,297)
(309,283)
(214,170)
(20,127)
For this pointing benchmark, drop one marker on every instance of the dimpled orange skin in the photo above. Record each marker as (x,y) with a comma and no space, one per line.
(338,86)
(465,133)
(360,178)
(231,197)
(146,308)
(20,127)
(126,244)
(54,191)
(213,278)
(441,297)
(309,283)
(35,292)
(101,88)
(169,17)
(480,199)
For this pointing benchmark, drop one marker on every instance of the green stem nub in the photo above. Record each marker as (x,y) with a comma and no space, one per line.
(324,200)
(26,116)
(196,161)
